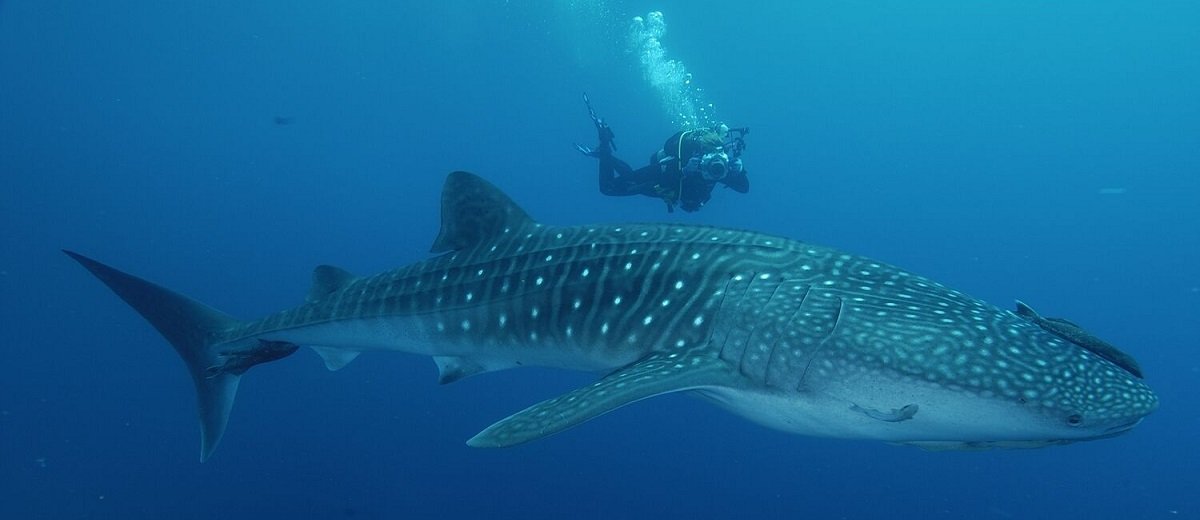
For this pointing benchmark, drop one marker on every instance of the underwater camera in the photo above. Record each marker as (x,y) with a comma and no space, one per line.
(714,165)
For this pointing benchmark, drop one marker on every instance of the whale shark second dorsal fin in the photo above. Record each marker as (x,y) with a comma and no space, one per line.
(327,280)
(474,211)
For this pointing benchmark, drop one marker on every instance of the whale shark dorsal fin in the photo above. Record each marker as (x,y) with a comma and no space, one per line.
(474,211)
(327,280)
(657,374)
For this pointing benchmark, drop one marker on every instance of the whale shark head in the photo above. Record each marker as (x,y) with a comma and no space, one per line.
(1077,395)
(851,348)
(1023,386)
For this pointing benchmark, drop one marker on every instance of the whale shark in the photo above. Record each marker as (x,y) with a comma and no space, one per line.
(799,337)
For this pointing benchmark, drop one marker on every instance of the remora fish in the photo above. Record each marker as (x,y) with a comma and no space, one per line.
(795,336)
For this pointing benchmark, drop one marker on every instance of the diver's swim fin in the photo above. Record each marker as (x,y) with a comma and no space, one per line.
(606,134)
(590,152)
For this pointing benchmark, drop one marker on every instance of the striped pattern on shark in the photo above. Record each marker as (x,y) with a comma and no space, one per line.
(795,336)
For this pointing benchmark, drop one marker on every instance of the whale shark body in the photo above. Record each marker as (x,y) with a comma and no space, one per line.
(795,336)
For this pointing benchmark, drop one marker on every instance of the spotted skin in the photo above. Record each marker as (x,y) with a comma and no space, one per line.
(796,336)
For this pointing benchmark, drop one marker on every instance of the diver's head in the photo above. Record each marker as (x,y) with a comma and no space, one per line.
(714,166)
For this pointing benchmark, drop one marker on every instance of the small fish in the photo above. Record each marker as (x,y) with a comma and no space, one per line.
(904,413)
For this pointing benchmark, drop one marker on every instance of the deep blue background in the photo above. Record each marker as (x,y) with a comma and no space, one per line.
(979,143)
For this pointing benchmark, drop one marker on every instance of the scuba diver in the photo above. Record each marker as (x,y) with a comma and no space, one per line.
(683,173)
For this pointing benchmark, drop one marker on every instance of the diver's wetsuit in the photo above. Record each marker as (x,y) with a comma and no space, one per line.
(664,181)
(695,191)
(619,179)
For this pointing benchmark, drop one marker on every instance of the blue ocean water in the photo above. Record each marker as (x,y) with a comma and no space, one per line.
(1041,151)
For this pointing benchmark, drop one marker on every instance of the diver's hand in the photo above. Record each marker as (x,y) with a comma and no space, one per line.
(735,167)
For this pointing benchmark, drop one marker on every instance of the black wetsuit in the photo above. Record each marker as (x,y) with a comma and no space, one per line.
(665,181)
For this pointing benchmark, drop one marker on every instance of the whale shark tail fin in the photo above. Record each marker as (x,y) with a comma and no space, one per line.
(202,336)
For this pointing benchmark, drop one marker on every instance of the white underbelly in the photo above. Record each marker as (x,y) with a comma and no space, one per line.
(852,413)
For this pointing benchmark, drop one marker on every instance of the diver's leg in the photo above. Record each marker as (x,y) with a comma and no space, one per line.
(616,176)
(647,180)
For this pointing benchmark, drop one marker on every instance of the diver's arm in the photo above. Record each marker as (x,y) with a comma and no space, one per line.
(738,181)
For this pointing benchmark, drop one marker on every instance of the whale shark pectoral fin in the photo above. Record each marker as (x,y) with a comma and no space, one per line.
(657,374)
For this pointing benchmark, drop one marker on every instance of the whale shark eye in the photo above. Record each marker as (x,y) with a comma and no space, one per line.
(1075,419)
